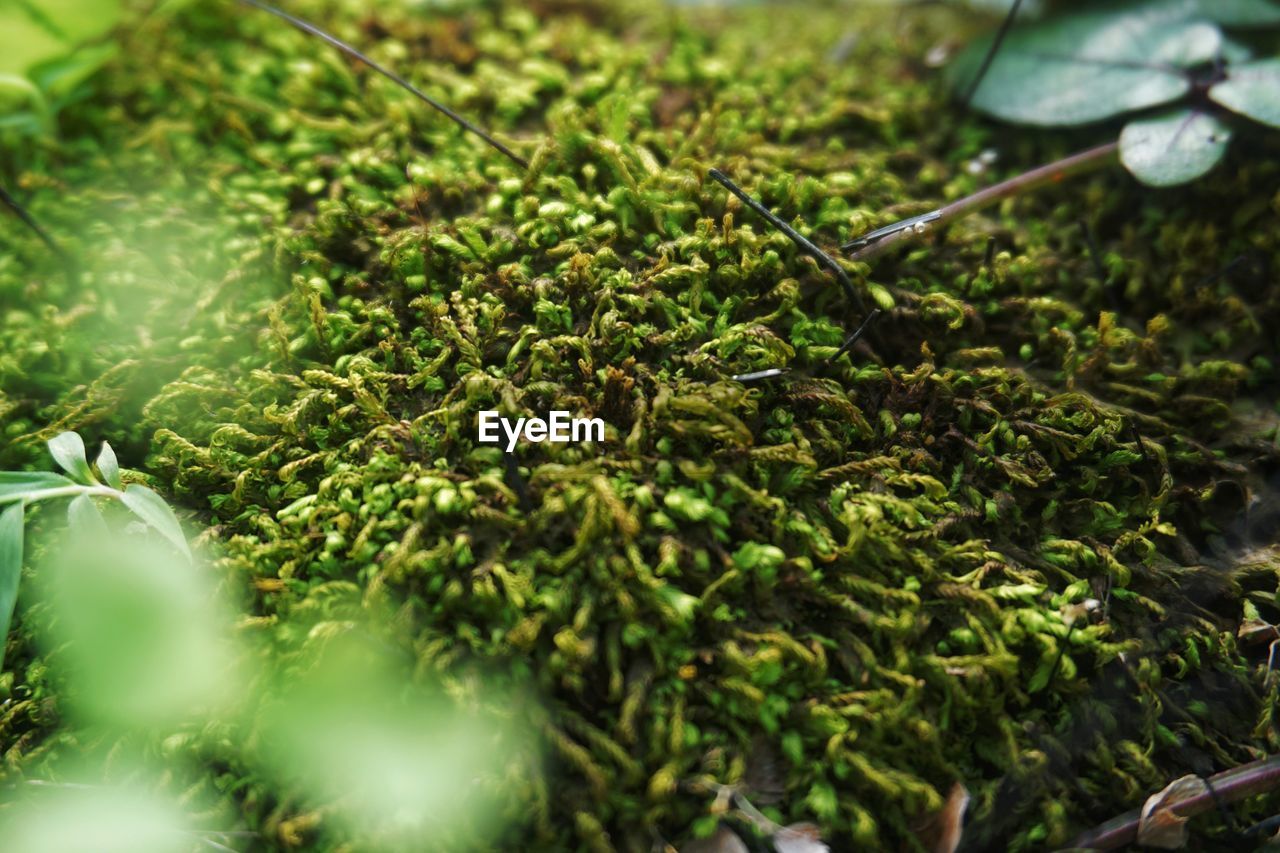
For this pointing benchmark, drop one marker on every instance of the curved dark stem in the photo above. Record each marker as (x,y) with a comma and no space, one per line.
(1005,26)
(806,245)
(29,220)
(341,45)
(858,333)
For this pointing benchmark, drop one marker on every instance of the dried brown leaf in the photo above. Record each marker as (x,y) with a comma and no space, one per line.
(942,832)
(1159,826)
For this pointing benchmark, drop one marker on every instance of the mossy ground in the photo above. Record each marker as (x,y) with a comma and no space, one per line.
(847,588)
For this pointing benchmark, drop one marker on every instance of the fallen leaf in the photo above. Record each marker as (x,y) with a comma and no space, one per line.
(1257,631)
(941,833)
(1159,826)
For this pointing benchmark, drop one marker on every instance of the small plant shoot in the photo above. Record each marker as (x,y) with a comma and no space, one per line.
(78,489)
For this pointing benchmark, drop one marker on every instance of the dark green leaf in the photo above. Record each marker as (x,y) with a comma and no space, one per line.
(1229,13)
(109,466)
(77,20)
(11,529)
(1234,52)
(59,77)
(1174,147)
(1087,67)
(68,451)
(1252,90)
(152,509)
(1030,8)
(25,41)
(16,485)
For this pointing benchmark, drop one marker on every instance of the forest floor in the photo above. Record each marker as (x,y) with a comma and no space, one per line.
(1022,537)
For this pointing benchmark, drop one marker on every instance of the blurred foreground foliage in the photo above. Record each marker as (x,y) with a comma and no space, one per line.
(1011,541)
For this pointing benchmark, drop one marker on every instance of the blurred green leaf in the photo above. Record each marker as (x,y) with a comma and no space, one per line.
(109,466)
(1029,9)
(1174,147)
(23,42)
(16,89)
(141,638)
(1229,13)
(17,485)
(401,766)
(1252,90)
(73,21)
(152,509)
(85,518)
(68,451)
(1087,67)
(59,77)
(77,819)
(11,532)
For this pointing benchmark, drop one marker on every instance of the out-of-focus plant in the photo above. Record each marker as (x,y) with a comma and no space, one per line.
(144,651)
(394,763)
(104,819)
(81,487)
(48,49)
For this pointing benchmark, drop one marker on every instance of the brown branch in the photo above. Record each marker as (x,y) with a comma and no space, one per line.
(870,246)
(1229,786)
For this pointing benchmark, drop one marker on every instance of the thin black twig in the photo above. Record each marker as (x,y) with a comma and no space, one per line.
(1217,801)
(30,221)
(805,244)
(1095,256)
(1137,437)
(1062,651)
(1005,26)
(515,480)
(465,124)
(989,257)
(857,335)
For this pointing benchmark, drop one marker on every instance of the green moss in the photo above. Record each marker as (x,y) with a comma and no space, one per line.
(301,287)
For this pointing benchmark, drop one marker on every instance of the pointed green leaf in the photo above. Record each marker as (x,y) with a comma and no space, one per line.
(68,451)
(1174,147)
(1253,90)
(152,509)
(11,529)
(59,77)
(85,518)
(1087,67)
(109,466)
(23,485)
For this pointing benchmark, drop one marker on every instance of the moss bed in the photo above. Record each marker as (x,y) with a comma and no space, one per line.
(844,589)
